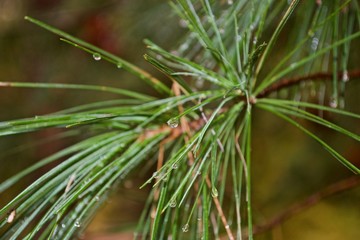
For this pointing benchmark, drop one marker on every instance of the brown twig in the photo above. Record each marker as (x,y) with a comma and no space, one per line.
(221,212)
(288,82)
(312,200)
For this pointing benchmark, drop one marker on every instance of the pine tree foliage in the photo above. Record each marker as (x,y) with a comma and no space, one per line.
(198,131)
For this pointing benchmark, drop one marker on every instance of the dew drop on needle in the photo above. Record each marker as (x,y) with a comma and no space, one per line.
(214,192)
(345,76)
(185,228)
(173,203)
(96,56)
(175,166)
(156,175)
(173,122)
(77,224)
(314,43)
(183,23)
(333,103)
(11,216)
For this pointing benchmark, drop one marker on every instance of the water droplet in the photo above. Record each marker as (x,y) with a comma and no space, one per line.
(345,76)
(199,83)
(119,65)
(311,33)
(198,172)
(63,225)
(97,56)
(11,216)
(174,166)
(77,224)
(194,152)
(314,43)
(97,198)
(214,192)
(183,47)
(238,38)
(230,2)
(173,122)
(185,228)
(333,103)
(155,175)
(227,226)
(173,203)
(255,40)
(183,23)
(221,31)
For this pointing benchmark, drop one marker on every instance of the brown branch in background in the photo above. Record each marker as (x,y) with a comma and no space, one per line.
(312,200)
(288,82)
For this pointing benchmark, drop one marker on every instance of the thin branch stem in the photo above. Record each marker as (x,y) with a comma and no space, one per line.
(221,212)
(320,76)
(310,201)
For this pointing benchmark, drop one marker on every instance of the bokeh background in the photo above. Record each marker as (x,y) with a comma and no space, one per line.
(288,166)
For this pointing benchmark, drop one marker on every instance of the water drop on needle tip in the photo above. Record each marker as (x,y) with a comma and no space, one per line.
(173,203)
(185,228)
(214,192)
(77,224)
(11,216)
(173,122)
(333,103)
(96,56)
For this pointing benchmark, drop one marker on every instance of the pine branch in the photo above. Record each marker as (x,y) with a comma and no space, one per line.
(197,146)
(282,84)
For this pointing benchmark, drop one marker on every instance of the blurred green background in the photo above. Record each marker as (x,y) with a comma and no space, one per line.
(288,166)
